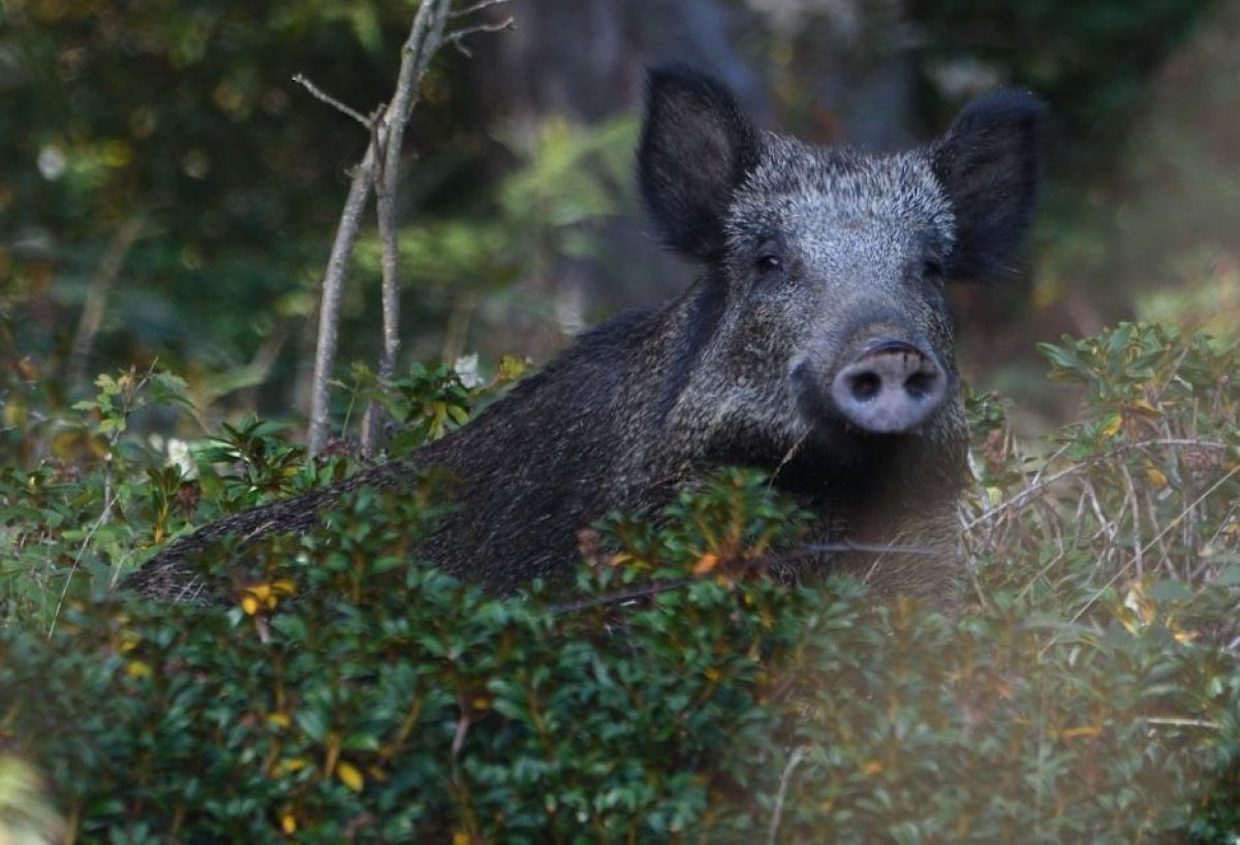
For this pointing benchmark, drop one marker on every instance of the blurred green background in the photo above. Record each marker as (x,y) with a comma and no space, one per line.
(167,192)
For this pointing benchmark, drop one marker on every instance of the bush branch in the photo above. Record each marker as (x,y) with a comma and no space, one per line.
(110,265)
(750,565)
(1101,591)
(425,38)
(1032,491)
(333,287)
(319,94)
(378,171)
(476,8)
(795,759)
(456,38)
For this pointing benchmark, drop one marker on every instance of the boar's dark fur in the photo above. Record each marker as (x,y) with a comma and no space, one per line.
(817,345)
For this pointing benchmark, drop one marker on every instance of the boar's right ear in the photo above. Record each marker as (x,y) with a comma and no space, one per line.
(988,164)
(696,148)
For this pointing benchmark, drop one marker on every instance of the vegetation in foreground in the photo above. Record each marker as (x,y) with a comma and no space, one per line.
(1089,691)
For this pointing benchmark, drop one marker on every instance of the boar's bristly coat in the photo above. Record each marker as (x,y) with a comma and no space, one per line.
(816,344)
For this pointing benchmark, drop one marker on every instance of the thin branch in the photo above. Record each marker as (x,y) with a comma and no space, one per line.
(109,499)
(379,171)
(1033,490)
(110,265)
(319,94)
(475,8)
(788,456)
(333,287)
(807,550)
(1174,722)
(794,760)
(623,597)
(869,548)
(456,38)
(425,38)
(1119,572)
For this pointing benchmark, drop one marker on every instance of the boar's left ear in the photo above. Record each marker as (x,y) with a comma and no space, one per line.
(988,164)
(696,148)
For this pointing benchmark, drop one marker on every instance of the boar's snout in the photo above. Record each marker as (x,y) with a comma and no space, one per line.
(891,387)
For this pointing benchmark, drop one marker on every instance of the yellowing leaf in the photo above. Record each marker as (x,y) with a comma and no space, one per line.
(1144,609)
(1156,478)
(1113,426)
(510,369)
(1084,730)
(350,776)
(873,767)
(288,823)
(264,596)
(116,153)
(138,669)
(15,414)
(1144,408)
(280,720)
(290,765)
(706,563)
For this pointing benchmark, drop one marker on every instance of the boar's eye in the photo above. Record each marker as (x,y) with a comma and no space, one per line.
(768,262)
(932,269)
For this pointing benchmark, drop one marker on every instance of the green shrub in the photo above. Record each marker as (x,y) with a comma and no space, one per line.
(1091,691)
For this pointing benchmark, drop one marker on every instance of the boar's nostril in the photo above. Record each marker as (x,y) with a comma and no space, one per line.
(889,388)
(920,384)
(865,386)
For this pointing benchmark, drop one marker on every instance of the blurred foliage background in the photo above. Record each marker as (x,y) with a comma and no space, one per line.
(167,192)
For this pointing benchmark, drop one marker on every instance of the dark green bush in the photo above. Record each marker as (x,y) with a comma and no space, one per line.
(1090,692)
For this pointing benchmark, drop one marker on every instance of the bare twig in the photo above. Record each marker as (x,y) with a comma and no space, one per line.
(456,38)
(1174,722)
(1119,572)
(622,597)
(795,759)
(319,94)
(380,171)
(109,499)
(1033,490)
(110,265)
(476,8)
(788,456)
(1038,576)
(425,38)
(333,287)
(869,548)
(260,366)
(454,336)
